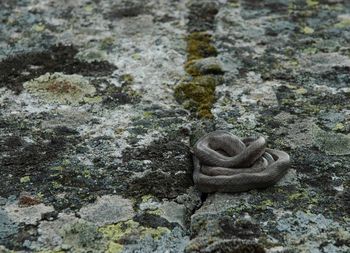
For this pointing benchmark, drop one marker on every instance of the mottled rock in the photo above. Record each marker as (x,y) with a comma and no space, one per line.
(60,88)
(69,233)
(148,70)
(107,210)
(8,227)
(30,215)
(331,143)
(173,212)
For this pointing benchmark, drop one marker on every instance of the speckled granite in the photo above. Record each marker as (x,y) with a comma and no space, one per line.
(101,100)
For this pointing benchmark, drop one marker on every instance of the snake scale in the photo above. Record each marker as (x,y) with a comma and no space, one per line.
(225,163)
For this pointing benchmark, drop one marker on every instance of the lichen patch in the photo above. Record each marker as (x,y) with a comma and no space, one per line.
(60,88)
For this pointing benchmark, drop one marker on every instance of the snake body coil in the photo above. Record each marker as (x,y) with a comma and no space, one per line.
(224,163)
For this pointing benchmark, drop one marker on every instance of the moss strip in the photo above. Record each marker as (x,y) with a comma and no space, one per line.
(199,46)
(198,94)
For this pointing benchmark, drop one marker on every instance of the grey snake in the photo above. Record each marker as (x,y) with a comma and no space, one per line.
(225,163)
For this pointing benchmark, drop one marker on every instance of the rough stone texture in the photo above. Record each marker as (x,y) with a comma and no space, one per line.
(92,129)
(107,210)
(27,215)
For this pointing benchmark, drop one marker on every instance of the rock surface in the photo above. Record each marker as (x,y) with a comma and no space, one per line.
(100,102)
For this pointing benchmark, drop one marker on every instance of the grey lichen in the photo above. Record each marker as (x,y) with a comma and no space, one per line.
(331,143)
(60,88)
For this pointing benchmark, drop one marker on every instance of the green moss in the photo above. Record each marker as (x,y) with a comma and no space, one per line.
(198,94)
(199,45)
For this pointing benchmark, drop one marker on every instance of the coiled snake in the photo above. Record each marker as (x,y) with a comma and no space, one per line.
(224,163)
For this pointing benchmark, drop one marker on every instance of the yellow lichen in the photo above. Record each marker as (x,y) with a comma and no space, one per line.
(93,100)
(147,115)
(297,196)
(234,5)
(310,50)
(343,24)
(116,233)
(114,247)
(308,30)
(25,179)
(338,126)
(88,8)
(301,91)
(312,3)
(147,197)
(39,27)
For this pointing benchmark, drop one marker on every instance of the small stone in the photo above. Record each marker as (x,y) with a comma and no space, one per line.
(210,65)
